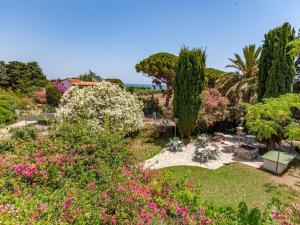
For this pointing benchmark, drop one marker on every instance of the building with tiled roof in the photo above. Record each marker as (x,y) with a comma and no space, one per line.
(70,82)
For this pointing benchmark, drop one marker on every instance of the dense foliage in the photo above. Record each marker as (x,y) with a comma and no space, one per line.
(20,76)
(275,119)
(276,67)
(188,85)
(53,95)
(238,89)
(102,104)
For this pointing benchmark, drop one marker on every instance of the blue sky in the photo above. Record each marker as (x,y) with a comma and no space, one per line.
(70,37)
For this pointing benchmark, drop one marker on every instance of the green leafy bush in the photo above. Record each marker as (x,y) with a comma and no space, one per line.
(273,119)
(53,95)
(24,133)
(7,145)
(6,116)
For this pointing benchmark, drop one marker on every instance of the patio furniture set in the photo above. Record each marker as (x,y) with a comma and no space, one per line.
(205,151)
(175,144)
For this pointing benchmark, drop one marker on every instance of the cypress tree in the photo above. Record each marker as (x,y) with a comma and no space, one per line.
(188,84)
(276,67)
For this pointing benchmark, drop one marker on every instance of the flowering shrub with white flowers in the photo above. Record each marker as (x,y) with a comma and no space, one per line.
(105,104)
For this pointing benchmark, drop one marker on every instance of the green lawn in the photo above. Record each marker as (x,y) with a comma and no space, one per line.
(228,185)
(234,183)
(144,145)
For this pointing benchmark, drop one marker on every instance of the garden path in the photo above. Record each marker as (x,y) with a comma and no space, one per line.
(185,158)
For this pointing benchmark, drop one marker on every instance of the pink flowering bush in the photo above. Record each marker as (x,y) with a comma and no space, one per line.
(40,96)
(287,215)
(214,106)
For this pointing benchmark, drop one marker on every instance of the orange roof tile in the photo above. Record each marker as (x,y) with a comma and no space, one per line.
(78,82)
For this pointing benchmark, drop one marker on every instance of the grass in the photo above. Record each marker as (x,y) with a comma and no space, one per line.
(227,186)
(144,146)
(234,183)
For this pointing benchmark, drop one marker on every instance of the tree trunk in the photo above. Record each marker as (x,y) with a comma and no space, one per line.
(270,144)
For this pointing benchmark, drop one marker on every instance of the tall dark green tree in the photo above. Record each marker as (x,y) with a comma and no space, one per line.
(188,84)
(276,68)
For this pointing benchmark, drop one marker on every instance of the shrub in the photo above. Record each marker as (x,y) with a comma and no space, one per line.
(273,119)
(6,116)
(53,95)
(24,133)
(60,86)
(102,105)
(7,145)
(40,96)
(214,107)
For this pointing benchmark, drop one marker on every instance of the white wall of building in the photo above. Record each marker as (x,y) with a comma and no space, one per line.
(67,84)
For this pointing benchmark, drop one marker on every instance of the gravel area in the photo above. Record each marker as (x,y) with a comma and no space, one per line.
(185,158)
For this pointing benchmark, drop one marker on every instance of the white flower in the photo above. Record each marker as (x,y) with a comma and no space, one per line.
(105,101)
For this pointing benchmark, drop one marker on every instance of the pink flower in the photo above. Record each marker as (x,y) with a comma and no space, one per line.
(92,185)
(17,191)
(153,206)
(64,159)
(144,215)
(274,213)
(182,210)
(39,153)
(66,204)
(28,196)
(121,188)
(69,219)
(25,170)
(42,207)
(43,173)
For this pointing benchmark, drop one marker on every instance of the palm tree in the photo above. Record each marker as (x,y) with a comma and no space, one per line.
(249,66)
(241,88)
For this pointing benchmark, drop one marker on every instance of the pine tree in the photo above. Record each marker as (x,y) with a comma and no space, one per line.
(276,67)
(188,84)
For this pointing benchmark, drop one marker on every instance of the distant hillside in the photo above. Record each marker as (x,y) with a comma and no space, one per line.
(212,75)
